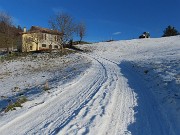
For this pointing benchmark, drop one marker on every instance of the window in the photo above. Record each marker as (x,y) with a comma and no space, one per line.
(55,38)
(30,47)
(50,46)
(43,45)
(44,36)
(56,46)
(58,38)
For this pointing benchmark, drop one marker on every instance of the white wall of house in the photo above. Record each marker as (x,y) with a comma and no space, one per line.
(49,40)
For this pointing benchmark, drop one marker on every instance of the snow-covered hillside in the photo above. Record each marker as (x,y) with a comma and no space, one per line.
(118,88)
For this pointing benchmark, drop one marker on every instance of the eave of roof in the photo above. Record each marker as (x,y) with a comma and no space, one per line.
(36,29)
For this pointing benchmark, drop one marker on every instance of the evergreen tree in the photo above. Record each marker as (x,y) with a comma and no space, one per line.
(19,28)
(170,31)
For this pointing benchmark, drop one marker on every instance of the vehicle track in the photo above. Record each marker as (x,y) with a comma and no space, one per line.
(110,110)
(52,115)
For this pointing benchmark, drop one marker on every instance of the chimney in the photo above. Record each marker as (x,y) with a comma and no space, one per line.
(25,29)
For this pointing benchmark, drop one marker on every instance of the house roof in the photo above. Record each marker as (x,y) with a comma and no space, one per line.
(36,29)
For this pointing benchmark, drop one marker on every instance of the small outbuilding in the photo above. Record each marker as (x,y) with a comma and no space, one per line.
(145,35)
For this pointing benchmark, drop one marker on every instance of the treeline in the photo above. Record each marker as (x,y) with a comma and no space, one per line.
(8,31)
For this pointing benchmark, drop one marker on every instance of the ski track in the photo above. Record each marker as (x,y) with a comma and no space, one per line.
(101,102)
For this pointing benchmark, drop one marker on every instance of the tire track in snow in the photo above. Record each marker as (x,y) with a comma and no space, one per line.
(54,114)
(93,90)
(110,110)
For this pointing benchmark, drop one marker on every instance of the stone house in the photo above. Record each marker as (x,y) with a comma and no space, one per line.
(38,38)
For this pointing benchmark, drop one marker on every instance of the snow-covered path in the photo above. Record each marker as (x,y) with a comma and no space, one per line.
(110,110)
(108,98)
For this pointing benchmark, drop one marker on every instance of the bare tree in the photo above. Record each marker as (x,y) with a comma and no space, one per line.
(36,38)
(6,28)
(25,44)
(63,22)
(29,40)
(81,30)
(50,41)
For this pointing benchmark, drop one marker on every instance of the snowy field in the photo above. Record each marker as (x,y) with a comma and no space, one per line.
(127,87)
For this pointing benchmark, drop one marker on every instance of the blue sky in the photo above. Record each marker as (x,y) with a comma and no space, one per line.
(105,19)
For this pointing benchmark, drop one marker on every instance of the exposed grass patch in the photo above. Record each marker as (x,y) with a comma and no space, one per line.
(46,86)
(5,74)
(12,56)
(17,103)
(16,89)
(54,54)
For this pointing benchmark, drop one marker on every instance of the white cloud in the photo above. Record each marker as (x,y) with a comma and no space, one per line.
(117,33)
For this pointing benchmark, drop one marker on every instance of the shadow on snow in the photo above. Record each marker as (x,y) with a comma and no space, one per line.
(36,91)
(148,117)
